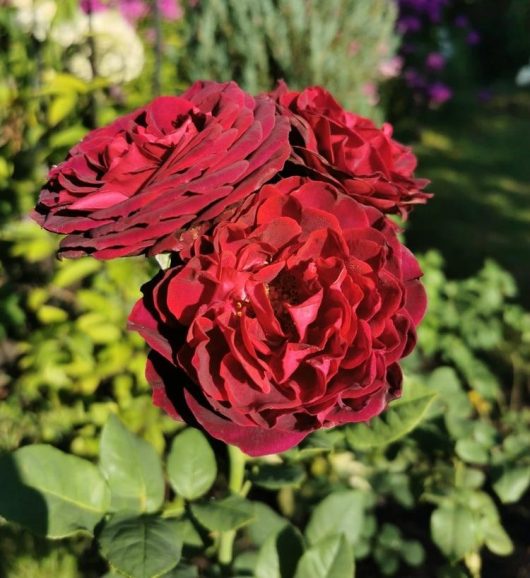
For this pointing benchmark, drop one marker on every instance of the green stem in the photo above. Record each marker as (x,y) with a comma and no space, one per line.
(226,547)
(236,486)
(237,469)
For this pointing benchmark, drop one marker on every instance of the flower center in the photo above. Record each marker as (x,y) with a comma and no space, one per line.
(284,290)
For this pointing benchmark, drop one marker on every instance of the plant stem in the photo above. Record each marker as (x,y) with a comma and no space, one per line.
(226,547)
(237,469)
(236,486)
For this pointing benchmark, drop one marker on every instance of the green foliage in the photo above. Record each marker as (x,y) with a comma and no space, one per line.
(51,493)
(132,469)
(339,513)
(279,555)
(275,477)
(140,547)
(191,465)
(302,42)
(330,558)
(224,515)
(400,419)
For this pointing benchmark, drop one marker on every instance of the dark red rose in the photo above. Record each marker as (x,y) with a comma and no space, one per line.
(173,164)
(331,143)
(289,319)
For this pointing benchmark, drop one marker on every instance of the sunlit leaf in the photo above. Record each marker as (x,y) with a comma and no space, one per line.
(51,493)
(191,464)
(132,468)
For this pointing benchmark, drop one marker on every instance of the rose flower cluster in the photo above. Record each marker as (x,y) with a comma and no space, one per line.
(290,299)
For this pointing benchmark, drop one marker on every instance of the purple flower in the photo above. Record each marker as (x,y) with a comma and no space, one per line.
(462,21)
(473,37)
(484,95)
(439,93)
(409,24)
(435,61)
(430,9)
(414,79)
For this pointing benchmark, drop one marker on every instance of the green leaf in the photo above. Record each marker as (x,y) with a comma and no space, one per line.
(274,477)
(512,483)
(140,546)
(51,493)
(245,562)
(61,107)
(189,534)
(454,530)
(338,513)
(413,553)
(331,558)
(182,571)
(401,417)
(266,523)
(472,451)
(279,555)
(497,540)
(48,314)
(74,271)
(67,137)
(191,464)
(223,515)
(132,469)
(470,478)
(59,83)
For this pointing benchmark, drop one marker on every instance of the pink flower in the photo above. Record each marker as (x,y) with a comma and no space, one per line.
(391,67)
(133,10)
(170,9)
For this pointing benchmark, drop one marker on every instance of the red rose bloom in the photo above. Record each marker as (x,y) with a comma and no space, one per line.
(336,145)
(290,319)
(173,164)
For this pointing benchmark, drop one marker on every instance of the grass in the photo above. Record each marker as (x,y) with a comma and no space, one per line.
(479,166)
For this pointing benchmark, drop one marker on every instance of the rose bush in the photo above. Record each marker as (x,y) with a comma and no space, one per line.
(289,318)
(342,147)
(130,187)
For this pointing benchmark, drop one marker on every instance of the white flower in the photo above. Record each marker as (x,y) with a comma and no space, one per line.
(523,76)
(74,31)
(35,16)
(119,52)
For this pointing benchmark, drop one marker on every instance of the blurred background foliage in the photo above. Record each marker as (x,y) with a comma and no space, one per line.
(450,499)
